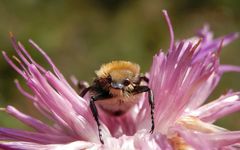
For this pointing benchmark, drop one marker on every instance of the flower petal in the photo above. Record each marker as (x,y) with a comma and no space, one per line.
(170,28)
(32,122)
(77,145)
(208,141)
(54,97)
(28,136)
(54,101)
(156,141)
(141,140)
(229,68)
(209,44)
(182,79)
(179,84)
(219,108)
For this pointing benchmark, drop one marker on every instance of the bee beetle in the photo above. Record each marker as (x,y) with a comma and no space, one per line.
(116,89)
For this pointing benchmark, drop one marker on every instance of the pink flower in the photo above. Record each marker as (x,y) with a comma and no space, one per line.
(181,81)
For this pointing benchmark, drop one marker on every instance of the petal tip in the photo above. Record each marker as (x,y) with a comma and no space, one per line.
(4,53)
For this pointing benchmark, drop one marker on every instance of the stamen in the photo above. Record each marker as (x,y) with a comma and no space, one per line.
(57,72)
(22,48)
(13,65)
(196,45)
(26,94)
(21,64)
(220,48)
(17,48)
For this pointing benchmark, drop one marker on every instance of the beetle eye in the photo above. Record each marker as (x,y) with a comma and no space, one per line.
(109,79)
(126,82)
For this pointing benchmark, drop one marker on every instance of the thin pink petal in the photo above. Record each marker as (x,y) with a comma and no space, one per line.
(30,121)
(79,104)
(140,141)
(219,108)
(229,68)
(176,82)
(209,141)
(77,145)
(18,49)
(28,136)
(55,101)
(55,69)
(170,28)
(22,48)
(26,94)
(156,141)
(13,65)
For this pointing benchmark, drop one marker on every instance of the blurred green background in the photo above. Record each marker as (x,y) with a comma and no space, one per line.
(81,35)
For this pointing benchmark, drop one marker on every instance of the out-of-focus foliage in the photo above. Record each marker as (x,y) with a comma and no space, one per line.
(81,35)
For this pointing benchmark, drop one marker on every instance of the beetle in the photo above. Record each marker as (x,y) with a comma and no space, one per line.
(116,88)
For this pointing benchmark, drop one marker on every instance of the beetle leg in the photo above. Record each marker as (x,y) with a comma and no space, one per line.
(84,91)
(142,78)
(81,86)
(140,89)
(95,115)
(151,103)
